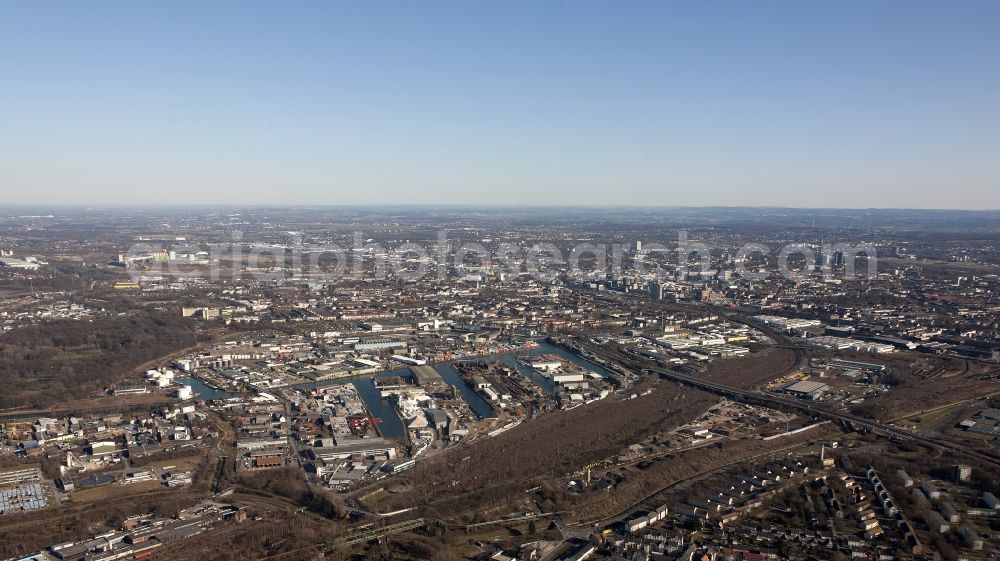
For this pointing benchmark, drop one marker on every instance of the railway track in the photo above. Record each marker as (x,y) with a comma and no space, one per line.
(852,421)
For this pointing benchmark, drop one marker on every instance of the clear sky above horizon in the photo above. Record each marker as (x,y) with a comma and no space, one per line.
(854,104)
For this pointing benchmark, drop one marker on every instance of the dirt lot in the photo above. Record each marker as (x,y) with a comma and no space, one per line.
(752,370)
(114,490)
(109,403)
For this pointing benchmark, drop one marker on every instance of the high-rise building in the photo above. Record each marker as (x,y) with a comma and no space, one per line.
(656,290)
(961,473)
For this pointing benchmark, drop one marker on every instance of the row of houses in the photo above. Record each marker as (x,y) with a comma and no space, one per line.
(726,502)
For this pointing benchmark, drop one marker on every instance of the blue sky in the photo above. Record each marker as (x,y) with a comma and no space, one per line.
(833,104)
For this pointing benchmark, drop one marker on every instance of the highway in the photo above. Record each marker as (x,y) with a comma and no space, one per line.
(804,407)
(378,532)
(877,427)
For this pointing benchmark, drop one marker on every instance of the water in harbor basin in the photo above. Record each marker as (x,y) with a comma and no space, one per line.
(545,348)
(478,405)
(392,427)
(204,391)
(532,374)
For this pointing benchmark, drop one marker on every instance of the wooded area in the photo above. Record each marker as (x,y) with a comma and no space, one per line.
(751,370)
(41,365)
(488,474)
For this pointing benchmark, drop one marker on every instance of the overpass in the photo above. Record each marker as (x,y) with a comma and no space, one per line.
(377,533)
(875,426)
(373,533)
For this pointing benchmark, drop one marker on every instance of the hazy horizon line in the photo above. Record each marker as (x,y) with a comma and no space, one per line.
(99,206)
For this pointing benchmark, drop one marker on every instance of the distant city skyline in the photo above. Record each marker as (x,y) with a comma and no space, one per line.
(892,104)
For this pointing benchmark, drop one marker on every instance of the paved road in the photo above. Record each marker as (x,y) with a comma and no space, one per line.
(875,426)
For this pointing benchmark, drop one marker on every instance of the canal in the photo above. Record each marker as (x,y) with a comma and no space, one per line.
(391,425)
(545,348)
